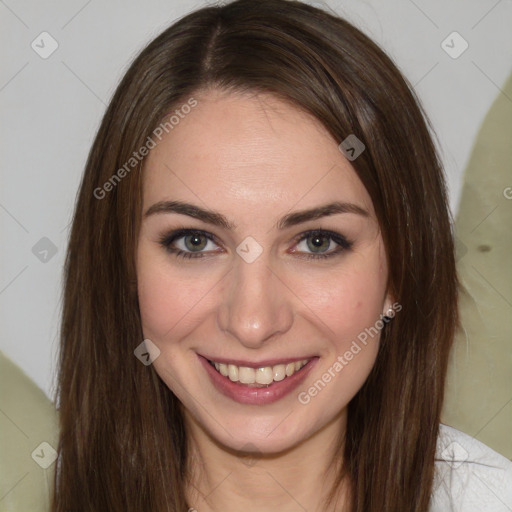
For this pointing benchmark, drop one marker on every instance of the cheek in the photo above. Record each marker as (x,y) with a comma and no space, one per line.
(166,298)
(349,312)
(156,300)
(347,301)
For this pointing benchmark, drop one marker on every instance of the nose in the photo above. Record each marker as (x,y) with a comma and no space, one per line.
(256,305)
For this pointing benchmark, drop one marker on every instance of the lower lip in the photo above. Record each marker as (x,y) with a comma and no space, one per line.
(256,396)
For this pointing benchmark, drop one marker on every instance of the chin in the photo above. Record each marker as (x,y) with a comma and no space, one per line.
(261,437)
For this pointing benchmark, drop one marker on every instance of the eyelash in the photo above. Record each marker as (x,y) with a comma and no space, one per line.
(343,244)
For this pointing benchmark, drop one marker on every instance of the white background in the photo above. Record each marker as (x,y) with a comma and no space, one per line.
(52,107)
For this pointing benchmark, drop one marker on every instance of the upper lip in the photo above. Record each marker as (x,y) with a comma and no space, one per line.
(258,364)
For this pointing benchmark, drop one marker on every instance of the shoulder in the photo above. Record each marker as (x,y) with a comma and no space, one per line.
(470,476)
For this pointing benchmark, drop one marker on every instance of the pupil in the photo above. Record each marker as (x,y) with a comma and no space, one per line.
(195,242)
(319,242)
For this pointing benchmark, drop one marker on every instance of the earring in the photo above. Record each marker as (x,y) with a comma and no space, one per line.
(390,313)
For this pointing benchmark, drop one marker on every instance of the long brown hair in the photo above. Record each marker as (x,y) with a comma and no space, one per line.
(122,443)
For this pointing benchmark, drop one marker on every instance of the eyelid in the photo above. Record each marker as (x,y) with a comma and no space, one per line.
(167,239)
(343,244)
(337,237)
(181,232)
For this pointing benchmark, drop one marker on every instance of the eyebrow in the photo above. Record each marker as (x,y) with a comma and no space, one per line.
(217,219)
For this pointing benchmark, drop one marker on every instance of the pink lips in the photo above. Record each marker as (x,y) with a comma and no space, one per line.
(254,395)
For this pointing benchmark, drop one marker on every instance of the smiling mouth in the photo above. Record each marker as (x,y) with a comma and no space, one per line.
(259,377)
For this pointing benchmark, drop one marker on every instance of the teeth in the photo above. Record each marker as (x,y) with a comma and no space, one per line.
(233,372)
(259,376)
(279,372)
(265,375)
(246,375)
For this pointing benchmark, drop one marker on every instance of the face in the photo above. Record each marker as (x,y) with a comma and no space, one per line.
(261,271)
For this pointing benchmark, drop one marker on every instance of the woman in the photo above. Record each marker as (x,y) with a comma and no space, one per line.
(261,292)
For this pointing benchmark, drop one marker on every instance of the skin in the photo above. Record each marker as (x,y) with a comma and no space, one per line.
(255,158)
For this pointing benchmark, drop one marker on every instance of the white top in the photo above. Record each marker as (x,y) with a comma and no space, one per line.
(470,476)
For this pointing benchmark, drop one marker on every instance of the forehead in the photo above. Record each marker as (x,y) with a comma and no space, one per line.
(250,152)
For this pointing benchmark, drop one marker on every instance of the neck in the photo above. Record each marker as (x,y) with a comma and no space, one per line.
(299,478)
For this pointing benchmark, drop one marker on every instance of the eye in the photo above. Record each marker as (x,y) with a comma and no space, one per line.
(321,244)
(194,243)
(189,243)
